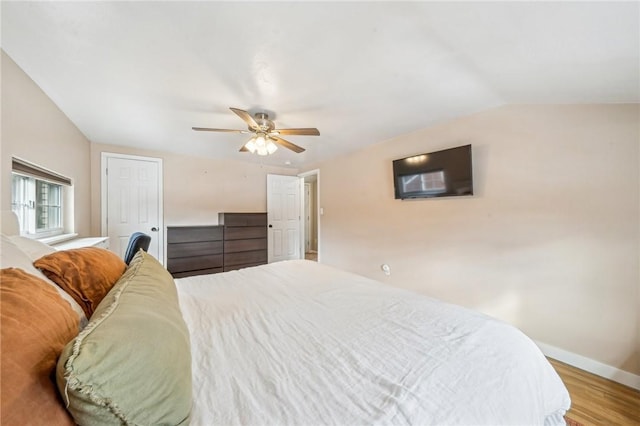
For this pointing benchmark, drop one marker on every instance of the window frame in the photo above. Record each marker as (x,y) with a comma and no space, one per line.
(28,180)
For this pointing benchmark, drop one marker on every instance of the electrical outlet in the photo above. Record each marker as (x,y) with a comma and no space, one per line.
(386,269)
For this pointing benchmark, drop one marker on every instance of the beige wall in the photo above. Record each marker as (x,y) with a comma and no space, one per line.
(549,242)
(34,129)
(195,189)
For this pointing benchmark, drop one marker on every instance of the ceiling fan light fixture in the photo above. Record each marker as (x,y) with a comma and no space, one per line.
(251,145)
(271,147)
(261,145)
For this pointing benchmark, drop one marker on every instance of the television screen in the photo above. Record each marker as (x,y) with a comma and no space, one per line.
(446,173)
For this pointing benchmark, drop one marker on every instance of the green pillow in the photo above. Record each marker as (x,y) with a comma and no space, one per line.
(132,363)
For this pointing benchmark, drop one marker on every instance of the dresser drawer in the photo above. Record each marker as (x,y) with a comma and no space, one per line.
(240,233)
(235,246)
(245,257)
(183,264)
(190,234)
(242,219)
(175,250)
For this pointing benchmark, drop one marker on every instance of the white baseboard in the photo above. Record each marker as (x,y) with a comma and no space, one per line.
(590,365)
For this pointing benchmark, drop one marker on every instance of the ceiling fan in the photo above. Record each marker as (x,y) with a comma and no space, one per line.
(265,135)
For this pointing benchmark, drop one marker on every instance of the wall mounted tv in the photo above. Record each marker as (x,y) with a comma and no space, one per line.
(446,173)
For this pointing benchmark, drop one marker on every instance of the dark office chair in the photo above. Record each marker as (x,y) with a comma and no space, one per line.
(137,241)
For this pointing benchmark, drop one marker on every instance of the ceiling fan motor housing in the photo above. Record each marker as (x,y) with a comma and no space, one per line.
(262,119)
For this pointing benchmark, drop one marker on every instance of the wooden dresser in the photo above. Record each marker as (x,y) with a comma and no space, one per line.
(245,239)
(194,250)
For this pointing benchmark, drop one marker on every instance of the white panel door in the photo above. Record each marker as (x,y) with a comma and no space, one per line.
(133,202)
(283,217)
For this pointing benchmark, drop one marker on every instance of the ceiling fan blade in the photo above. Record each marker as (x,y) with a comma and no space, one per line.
(287,144)
(208,129)
(312,131)
(246,117)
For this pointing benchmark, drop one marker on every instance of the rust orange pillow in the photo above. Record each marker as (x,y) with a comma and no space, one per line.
(87,274)
(36,325)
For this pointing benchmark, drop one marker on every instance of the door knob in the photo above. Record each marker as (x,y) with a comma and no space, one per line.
(270,226)
(154,229)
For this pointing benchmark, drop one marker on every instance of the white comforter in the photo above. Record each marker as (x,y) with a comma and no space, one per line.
(299,343)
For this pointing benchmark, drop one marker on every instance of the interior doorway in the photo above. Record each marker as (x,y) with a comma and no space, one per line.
(311,217)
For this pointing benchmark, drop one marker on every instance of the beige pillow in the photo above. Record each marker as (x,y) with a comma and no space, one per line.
(33,248)
(11,256)
(87,274)
(132,363)
(36,326)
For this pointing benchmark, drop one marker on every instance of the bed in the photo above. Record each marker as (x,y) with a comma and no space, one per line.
(289,343)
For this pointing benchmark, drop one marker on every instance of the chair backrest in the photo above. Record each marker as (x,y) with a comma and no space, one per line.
(137,241)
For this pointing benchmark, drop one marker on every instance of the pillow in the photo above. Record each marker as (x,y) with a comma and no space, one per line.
(132,363)
(12,257)
(87,274)
(33,248)
(36,326)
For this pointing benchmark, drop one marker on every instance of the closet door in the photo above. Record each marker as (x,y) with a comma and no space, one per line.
(132,201)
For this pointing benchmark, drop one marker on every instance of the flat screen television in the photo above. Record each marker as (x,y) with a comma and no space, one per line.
(446,173)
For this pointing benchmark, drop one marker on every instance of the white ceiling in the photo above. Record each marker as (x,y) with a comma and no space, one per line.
(143,73)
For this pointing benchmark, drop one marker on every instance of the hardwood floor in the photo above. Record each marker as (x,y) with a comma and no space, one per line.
(598,401)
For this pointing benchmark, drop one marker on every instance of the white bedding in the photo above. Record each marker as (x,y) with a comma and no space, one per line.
(299,343)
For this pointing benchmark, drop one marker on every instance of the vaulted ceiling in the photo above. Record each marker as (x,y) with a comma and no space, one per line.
(142,74)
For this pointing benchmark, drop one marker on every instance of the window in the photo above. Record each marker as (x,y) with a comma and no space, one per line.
(37,197)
